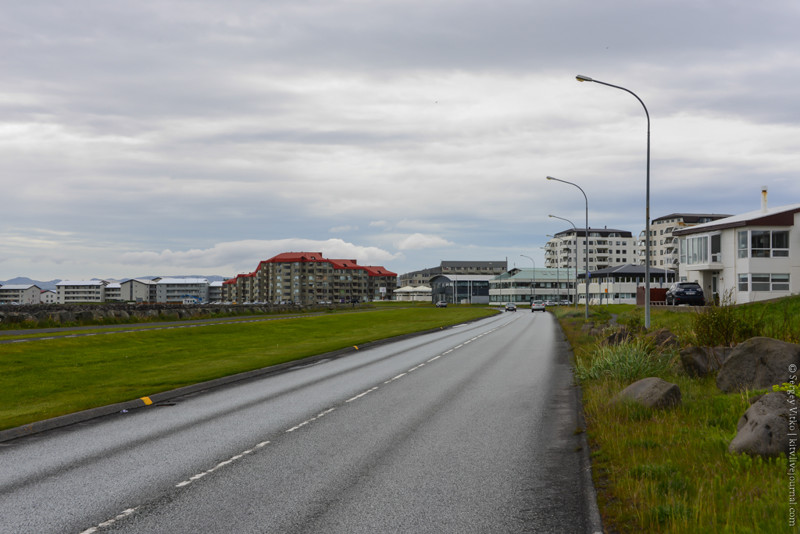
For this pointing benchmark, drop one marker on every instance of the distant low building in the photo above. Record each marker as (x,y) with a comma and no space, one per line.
(184,290)
(80,291)
(413,294)
(461,288)
(424,276)
(20,294)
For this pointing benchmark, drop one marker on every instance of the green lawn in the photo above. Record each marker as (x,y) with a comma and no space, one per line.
(44,379)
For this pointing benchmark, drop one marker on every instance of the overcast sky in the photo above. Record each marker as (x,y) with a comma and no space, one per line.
(200,137)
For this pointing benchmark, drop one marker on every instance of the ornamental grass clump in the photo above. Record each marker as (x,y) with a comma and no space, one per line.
(627,361)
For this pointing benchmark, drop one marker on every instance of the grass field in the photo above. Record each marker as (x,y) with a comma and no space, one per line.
(670,471)
(44,379)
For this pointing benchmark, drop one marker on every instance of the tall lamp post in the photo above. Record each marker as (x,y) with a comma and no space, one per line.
(586,241)
(582,78)
(575,301)
(533,277)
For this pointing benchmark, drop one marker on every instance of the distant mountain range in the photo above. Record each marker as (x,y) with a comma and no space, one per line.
(21,280)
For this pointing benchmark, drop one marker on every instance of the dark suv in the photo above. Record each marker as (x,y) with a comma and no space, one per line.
(686,293)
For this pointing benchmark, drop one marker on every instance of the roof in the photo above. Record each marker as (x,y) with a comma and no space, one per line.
(19,287)
(627,270)
(604,232)
(780,216)
(413,289)
(80,283)
(377,270)
(182,281)
(693,218)
(465,277)
(473,264)
(540,273)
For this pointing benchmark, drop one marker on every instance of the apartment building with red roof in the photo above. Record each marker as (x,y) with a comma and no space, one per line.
(310,278)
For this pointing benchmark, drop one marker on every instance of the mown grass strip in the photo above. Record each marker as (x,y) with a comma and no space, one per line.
(45,379)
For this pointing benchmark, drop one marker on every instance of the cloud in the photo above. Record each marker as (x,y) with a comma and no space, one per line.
(421,241)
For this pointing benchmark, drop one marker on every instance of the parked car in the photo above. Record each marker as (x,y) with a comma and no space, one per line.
(538,306)
(511,307)
(685,293)
(441,304)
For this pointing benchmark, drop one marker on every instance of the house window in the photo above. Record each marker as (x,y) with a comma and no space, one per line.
(760,282)
(744,282)
(763,243)
(780,282)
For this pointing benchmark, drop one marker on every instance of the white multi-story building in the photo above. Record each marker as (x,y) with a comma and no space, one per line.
(607,248)
(20,294)
(138,290)
(75,291)
(520,286)
(48,296)
(745,258)
(187,290)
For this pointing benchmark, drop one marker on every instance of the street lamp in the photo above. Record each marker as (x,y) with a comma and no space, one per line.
(586,259)
(582,78)
(575,301)
(533,277)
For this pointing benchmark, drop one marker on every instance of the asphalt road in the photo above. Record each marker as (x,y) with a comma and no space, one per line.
(470,429)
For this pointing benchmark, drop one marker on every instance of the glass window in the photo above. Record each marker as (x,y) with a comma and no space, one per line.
(780,243)
(760,282)
(744,284)
(780,282)
(759,244)
(742,240)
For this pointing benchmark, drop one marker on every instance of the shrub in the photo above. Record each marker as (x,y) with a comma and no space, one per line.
(627,361)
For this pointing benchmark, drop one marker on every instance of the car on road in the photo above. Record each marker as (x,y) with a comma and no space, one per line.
(441,304)
(538,306)
(685,293)
(511,307)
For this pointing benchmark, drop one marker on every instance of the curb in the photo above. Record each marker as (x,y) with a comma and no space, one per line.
(153,400)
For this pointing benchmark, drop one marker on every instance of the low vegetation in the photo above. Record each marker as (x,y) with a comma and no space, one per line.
(670,471)
(47,378)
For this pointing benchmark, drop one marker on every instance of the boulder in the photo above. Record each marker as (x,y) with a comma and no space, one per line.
(663,338)
(765,428)
(702,361)
(652,392)
(759,362)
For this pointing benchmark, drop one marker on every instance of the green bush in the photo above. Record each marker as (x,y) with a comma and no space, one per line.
(628,361)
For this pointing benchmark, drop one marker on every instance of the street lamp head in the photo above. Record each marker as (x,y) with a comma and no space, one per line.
(582,78)
(551,178)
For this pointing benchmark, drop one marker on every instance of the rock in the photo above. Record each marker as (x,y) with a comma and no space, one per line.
(652,392)
(663,338)
(701,361)
(758,363)
(619,336)
(764,428)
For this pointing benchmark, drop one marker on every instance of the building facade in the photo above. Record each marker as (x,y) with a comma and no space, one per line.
(309,278)
(521,286)
(80,291)
(184,290)
(460,288)
(20,294)
(745,258)
(619,285)
(423,277)
(606,248)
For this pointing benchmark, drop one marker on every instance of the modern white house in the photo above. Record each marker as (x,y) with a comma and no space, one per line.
(744,258)
(619,285)
(20,294)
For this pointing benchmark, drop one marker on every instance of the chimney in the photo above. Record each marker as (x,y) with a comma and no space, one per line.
(763,199)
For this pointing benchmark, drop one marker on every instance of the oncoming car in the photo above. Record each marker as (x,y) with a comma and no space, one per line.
(511,307)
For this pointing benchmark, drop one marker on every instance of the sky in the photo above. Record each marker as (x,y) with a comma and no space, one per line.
(201,137)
